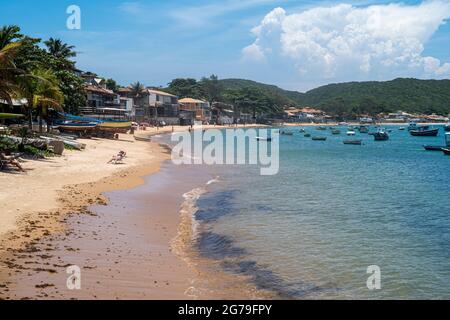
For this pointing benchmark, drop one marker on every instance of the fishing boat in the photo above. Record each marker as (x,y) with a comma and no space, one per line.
(114,127)
(336,132)
(439,148)
(425,131)
(446,151)
(319,138)
(353,142)
(146,139)
(433,148)
(363,129)
(263,139)
(412,126)
(71,126)
(381,135)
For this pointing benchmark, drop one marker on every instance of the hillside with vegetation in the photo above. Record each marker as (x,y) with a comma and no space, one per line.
(410,95)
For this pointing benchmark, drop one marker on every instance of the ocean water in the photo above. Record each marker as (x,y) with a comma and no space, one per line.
(333,210)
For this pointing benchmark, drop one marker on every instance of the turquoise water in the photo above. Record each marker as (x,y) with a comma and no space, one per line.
(333,210)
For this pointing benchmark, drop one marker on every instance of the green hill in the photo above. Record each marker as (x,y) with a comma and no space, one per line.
(410,95)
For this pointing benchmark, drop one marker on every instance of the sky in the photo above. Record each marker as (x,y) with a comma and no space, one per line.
(295,44)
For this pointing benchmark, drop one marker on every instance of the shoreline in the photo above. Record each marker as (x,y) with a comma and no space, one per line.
(66,200)
(27,245)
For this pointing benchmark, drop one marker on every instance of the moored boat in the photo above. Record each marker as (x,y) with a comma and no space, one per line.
(353,142)
(287,133)
(446,151)
(351,133)
(321,128)
(381,135)
(307,135)
(447,127)
(412,126)
(336,132)
(363,129)
(319,138)
(434,148)
(263,139)
(425,131)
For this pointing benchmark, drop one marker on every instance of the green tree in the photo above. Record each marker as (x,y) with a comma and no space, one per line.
(59,49)
(212,88)
(9,34)
(9,73)
(185,88)
(41,89)
(111,84)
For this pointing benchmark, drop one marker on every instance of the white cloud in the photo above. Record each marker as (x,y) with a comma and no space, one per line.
(345,41)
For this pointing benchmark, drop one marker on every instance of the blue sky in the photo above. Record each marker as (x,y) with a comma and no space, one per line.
(296,44)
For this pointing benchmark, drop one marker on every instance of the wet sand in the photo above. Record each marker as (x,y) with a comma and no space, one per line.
(129,244)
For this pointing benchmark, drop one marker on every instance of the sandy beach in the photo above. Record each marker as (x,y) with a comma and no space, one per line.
(47,224)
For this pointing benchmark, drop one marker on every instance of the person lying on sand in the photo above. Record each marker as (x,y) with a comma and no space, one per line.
(11,161)
(118,158)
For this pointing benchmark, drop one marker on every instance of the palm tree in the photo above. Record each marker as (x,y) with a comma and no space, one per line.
(59,49)
(9,73)
(137,89)
(8,34)
(41,89)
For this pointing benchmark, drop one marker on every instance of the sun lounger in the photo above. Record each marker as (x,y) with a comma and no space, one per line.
(10,160)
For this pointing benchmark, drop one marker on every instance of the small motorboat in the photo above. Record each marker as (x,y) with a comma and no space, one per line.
(302,131)
(446,151)
(434,148)
(425,131)
(321,128)
(447,128)
(336,132)
(381,135)
(263,139)
(353,142)
(402,128)
(351,133)
(363,129)
(319,138)
(412,126)
(307,135)
(287,133)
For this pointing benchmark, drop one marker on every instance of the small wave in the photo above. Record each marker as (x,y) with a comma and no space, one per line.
(215,180)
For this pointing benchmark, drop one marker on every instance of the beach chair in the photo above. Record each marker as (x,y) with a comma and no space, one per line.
(10,160)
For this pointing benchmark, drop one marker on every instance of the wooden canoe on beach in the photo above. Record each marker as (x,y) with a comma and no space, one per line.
(145,139)
(114,127)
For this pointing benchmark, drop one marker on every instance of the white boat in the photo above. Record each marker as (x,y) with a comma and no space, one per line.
(343,123)
(412,126)
(351,133)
